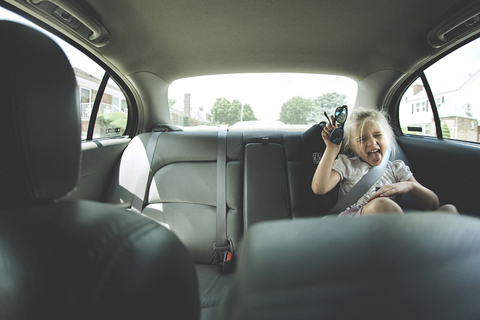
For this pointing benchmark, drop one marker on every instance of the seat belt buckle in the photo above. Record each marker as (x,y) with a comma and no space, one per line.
(227,263)
(226,257)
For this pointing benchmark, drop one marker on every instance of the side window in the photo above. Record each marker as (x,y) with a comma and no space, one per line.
(416,116)
(112,112)
(106,117)
(100,118)
(454,82)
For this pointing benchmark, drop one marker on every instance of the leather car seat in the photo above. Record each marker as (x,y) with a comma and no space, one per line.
(391,266)
(70,259)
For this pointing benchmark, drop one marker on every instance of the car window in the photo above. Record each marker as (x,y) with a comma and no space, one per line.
(111,117)
(455,82)
(416,113)
(288,102)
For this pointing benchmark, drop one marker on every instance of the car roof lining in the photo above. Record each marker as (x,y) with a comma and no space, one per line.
(198,38)
(192,38)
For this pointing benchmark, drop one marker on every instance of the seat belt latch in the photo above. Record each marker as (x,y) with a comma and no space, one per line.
(226,258)
(227,263)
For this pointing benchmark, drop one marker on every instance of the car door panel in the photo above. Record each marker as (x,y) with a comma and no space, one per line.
(447,167)
(99,160)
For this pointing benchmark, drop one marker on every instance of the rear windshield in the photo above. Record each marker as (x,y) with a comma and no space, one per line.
(274,101)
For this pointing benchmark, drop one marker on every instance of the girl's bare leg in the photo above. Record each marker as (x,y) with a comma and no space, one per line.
(448,208)
(381,205)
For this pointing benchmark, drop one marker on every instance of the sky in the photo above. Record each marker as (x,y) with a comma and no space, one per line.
(460,62)
(265,93)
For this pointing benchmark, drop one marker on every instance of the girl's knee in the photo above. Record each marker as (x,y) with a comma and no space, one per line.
(381,205)
(449,208)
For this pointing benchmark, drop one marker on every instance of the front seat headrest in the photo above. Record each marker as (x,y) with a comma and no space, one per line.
(71,259)
(39,101)
(389,266)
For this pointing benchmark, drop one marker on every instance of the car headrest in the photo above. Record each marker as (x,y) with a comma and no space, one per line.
(412,266)
(313,149)
(313,144)
(40,123)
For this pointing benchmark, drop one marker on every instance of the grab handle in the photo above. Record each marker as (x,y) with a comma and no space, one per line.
(469,18)
(67,10)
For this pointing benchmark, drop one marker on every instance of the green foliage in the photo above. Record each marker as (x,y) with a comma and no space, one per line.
(327,102)
(226,112)
(248,114)
(171,102)
(445,130)
(107,122)
(296,110)
(299,110)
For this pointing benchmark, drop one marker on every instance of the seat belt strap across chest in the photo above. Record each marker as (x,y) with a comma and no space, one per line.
(362,186)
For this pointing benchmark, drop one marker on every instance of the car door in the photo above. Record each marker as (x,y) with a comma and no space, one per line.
(438,124)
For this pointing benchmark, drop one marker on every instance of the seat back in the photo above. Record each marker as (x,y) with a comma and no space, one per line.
(39,117)
(181,193)
(70,259)
(413,266)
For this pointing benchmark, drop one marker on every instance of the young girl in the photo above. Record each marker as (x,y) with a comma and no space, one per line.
(368,135)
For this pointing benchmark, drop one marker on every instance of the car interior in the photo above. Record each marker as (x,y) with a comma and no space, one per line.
(143,216)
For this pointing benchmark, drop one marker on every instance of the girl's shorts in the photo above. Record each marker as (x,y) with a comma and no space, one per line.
(355,210)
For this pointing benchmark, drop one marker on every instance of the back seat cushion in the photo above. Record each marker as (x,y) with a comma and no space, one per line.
(133,159)
(266,187)
(301,157)
(182,192)
(268,177)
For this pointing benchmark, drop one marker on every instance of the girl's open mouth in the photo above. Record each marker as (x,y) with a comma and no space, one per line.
(374,155)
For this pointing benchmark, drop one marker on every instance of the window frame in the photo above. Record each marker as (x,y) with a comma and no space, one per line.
(132,119)
(398,92)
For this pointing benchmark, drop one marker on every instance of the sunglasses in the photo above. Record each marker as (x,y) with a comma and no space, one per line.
(341,114)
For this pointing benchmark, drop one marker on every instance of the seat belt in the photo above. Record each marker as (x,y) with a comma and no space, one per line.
(362,186)
(145,173)
(222,245)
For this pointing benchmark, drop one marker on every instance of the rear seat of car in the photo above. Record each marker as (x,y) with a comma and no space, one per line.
(268,176)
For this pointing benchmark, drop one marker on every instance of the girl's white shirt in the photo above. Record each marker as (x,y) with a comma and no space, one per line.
(351,170)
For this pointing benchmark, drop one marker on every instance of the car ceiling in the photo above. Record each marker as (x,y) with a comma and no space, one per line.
(182,38)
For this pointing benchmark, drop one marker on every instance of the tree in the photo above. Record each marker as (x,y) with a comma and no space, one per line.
(327,102)
(220,111)
(296,110)
(248,114)
(445,130)
(226,112)
(113,123)
(171,102)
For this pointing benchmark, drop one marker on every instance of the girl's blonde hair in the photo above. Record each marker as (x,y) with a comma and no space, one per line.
(359,118)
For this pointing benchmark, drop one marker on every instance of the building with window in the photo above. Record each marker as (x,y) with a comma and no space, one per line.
(113,99)
(458,106)
(188,116)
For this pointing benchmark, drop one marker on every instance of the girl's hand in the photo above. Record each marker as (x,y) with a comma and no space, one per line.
(394,189)
(425,197)
(326,134)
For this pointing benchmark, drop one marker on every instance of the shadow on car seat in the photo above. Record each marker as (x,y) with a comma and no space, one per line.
(70,259)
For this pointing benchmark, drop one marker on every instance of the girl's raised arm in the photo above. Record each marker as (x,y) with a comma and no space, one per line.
(325,179)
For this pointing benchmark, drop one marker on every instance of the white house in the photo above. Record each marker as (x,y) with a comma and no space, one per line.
(458,104)
(113,99)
